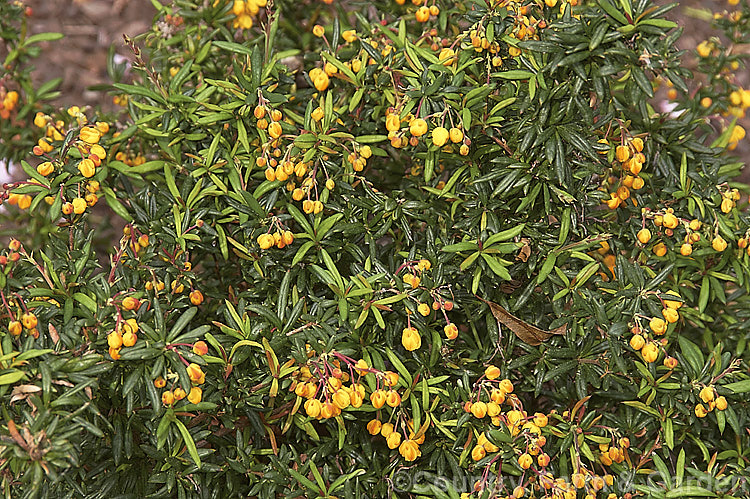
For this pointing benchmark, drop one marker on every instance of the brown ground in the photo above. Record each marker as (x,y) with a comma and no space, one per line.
(91,26)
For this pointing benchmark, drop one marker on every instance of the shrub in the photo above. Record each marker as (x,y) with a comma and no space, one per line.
(384,249)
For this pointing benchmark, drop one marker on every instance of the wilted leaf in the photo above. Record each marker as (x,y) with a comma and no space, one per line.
(21,392)
(526,332)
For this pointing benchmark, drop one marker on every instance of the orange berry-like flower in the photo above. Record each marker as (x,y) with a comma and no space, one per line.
(423,14)
(29,320)
(377,398)
(167,398)
(392,398)
(374,426)
(650,352)
(479,409)
(637,342)
(719,244)
(196,374)
(130,303)
(200,348)
(644,236)
(195,395)
(79,205)
(274,129)
(313,408)
(525,461)
(179,394)
(196,297)
(341,399)
(160,382)
(87,167)
(423,309)
(129,339)
(15,328)
(658,325)
(506,386)
(721,403)
(90,135)
(451,331)
(670,362)
(578,480)
(418,127)
(114,339)
(440,136)
(671,315)
(478,453)
(45,168)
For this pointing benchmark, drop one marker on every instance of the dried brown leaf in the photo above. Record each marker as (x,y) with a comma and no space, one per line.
(21,392)
(526,332)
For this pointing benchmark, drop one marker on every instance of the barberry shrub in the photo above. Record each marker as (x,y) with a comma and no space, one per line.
(384,249)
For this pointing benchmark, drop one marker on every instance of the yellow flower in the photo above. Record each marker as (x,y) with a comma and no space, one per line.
(99,151)
(478,453)
(114,339)
(650,352)
(129,339)
(313,407)
(409,450)
(393,440)
(492,372)
(447,56)
(349,35)
(707,394)
(658,325)
(377,398)
(45,168)
(410,339)
(195,395)
(79,206)
(87,168)
(418,127)
(479,409)
(90,135)
(440,136)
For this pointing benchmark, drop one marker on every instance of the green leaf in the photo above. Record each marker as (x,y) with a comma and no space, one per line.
(689,491)
(189,442)
(738,386)
(182,322)
(514,74)
(692,354)
(496,266)
(503,236)
(465,246)
(399,366)
(11,377)
(86,301)
(41,37)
